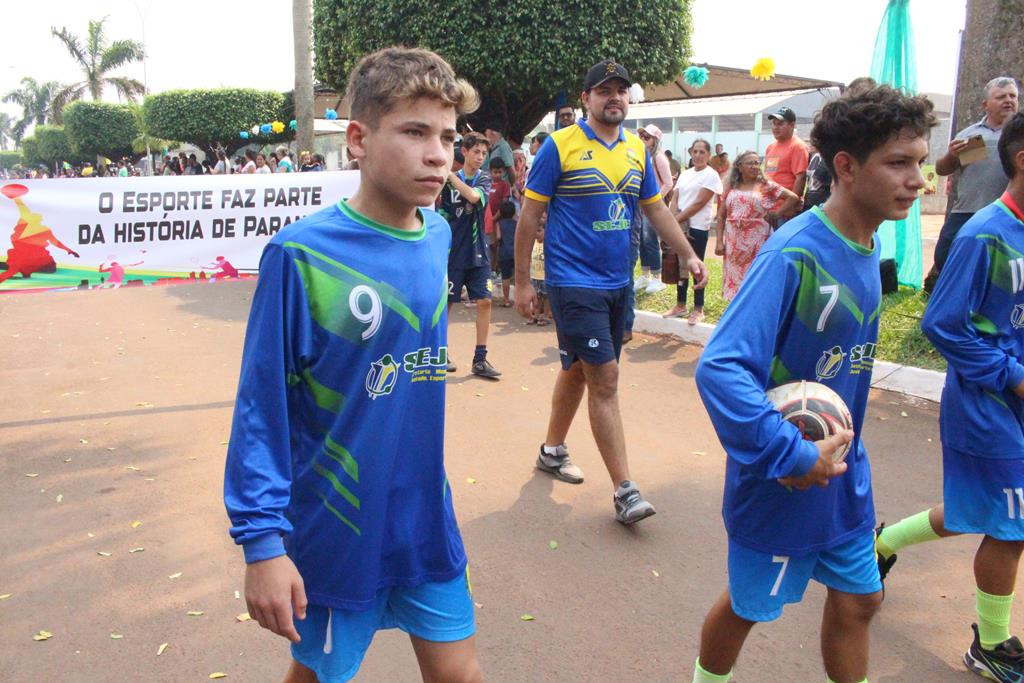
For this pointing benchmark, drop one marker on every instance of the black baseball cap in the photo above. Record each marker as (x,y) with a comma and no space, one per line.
(784,114)
(605,71)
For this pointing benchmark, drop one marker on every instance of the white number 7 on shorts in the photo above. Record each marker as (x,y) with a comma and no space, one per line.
(784,561)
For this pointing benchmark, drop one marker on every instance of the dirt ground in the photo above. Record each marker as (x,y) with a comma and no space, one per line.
(116,410)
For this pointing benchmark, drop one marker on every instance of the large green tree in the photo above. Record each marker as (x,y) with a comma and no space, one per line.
(518,53)
(35,99)
(52,144)
(101,128)
(211,117)
(96,59)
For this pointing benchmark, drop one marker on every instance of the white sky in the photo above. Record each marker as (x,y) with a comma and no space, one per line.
(213,43)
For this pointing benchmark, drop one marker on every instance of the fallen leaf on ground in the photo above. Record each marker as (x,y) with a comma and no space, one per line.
(111,448)
(244,616)
(195,613)
(102,554)
(175,575)
(526,617)
(82,441)
(223,443)
(479,394)
(237,596)
(5,596)
(90,534)
(525,388)
(32,475)
(60,497)
(144,404)
(132,468)
(160,650)
(903,413)
(136,524)
(67,459)
(218,674)
(470,480)
(136,550)
(116,636)
(655,572)
(553,544)
(478,605)
(42,635)
(699,453)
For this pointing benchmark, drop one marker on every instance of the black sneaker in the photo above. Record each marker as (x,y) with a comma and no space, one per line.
(451,366)
(1005,663)
(884,563)
(483,368)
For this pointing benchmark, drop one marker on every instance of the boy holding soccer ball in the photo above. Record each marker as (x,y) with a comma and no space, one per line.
(975,318)
(808,310)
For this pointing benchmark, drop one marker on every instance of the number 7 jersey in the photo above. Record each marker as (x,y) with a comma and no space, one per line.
(807,310)
(336,449)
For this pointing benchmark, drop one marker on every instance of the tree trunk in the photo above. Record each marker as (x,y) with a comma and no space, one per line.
(992,46)
(302,33)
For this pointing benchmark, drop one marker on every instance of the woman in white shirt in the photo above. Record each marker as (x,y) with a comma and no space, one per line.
(691,206)
(261,164)
(250,162)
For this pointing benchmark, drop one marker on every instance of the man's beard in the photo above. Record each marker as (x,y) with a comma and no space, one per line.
(613,119)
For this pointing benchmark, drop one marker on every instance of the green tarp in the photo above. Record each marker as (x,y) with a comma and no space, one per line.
(895,64)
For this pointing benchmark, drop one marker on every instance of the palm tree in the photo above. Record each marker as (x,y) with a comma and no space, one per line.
(6,129)
(97,59)
(35,100)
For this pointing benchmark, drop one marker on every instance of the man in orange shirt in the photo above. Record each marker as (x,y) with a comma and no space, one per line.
(785,160)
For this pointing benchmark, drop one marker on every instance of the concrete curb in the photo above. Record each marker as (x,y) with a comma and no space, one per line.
(904,379)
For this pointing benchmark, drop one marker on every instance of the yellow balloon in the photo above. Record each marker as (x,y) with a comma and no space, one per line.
(277,126)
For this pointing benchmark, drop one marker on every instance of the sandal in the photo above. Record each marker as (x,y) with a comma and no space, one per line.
(541,322)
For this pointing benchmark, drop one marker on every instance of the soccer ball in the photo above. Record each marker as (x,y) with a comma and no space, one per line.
(817,411)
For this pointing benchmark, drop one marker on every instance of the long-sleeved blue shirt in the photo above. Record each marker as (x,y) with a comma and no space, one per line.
(975,318)
(807,310)
(336,449)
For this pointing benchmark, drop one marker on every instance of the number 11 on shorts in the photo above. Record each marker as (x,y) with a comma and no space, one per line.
(784,561)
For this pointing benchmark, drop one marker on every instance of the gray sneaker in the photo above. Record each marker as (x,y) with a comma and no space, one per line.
(630,506)
(559,465)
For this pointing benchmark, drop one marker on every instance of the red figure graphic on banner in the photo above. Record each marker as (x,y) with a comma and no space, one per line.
(224,270)
(28,253)
(116,270)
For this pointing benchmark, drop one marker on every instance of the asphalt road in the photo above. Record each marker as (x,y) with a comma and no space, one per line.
(116,408)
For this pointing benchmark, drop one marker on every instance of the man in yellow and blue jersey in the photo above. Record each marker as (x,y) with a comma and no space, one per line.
(591,178)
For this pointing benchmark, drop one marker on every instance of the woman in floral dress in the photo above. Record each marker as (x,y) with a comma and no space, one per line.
(746,215)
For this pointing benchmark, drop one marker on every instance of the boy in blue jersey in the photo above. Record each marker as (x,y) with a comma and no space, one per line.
(975,318)
(592,178)
(463,203)
(808,310)
(335,481)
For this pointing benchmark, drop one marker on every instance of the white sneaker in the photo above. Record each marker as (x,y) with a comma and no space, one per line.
(655,286)
(641,283)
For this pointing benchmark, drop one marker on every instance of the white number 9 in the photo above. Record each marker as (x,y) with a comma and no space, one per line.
(370,317)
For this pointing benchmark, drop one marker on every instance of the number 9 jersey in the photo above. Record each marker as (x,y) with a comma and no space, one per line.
(337,440)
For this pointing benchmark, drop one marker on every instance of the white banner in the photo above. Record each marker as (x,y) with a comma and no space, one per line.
(90,232)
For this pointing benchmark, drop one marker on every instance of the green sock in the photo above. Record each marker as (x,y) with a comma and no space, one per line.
(993,618)
(701,675)
(907,531)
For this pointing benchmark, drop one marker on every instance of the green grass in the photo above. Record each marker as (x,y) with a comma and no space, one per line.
(899,331)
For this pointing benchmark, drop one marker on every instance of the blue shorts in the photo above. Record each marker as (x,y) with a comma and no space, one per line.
(334,641)
(761,584)
(477,281)
(589,323)
(983,495)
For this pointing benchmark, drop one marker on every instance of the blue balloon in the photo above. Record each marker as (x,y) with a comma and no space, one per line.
(244,135)
(265,129)
(293,124)
(330,114)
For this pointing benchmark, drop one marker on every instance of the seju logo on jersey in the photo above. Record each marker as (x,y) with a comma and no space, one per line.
(1017,316)
(422,365)
(616,220)
(862,358)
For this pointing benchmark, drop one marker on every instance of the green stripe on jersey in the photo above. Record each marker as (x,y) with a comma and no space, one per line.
(983,324)
(440,304)
(337,513)
(809,298)
(780,373)
(337,485)
(328,282)
(340,454)
(1000,254)
(325,397)
(998,399)
(407,235)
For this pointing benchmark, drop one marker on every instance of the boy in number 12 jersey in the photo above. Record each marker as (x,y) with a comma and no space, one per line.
(335,481)
(808,310)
